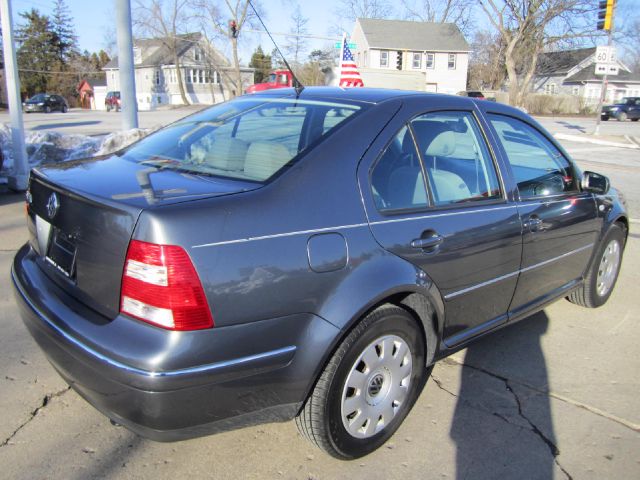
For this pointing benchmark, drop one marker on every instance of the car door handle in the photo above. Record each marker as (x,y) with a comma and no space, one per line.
(427,243)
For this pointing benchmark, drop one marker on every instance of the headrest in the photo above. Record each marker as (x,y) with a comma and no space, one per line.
(443,145)
(265,158)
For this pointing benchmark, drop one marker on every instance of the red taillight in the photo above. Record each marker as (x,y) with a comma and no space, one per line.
(161,286)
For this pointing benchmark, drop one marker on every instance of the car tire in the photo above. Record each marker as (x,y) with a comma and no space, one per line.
(108,108)
(47,109)
(635,119)
(390,385)
(605,119)
(622,116)
(64,109)
(603,272)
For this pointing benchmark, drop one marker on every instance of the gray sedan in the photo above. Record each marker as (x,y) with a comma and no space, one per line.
(305,256)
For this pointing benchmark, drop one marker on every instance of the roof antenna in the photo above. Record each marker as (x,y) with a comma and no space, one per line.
(296,83)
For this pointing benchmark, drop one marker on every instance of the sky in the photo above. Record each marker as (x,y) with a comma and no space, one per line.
(93,18)
(92,23)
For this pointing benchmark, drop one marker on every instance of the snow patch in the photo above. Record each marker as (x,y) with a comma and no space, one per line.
(53,147)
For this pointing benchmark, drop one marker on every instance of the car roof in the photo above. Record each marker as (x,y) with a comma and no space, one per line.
(371,95)
(379,95)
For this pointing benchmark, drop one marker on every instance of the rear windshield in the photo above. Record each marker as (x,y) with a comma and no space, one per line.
(249,138)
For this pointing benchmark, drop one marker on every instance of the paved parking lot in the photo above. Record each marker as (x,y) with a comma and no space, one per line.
(555,396)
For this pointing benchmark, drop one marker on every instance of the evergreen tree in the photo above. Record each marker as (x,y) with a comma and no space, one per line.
(37,53)
(66,40)
(262,64)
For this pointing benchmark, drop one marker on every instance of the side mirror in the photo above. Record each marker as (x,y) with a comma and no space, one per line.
(595,183)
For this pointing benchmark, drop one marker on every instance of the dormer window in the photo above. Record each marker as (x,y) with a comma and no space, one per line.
(137,55)
(197,54)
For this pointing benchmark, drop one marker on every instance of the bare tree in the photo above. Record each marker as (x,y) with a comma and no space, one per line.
(460,12)
(226,19)
(529,27)
(486,61)
(165,20)
(627,33)
(349,10)
(296,46)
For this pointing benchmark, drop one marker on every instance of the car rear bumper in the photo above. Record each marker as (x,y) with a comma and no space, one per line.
(172,385)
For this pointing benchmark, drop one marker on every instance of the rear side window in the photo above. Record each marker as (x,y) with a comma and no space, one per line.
(396,179)
(459,166)
(250,138)
(539,167)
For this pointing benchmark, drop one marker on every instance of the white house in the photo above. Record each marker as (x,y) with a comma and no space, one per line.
(572,72)
(204,71)
(427,56)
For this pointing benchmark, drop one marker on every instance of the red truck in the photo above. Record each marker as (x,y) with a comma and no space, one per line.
(277,79)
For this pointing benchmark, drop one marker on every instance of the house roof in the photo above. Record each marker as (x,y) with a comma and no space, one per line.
(408,35)
(587,74)
(559,63)
(162,55)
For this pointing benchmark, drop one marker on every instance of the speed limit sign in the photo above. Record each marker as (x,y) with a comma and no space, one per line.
(605,54)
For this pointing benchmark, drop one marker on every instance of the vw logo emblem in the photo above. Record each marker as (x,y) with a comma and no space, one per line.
(53,205)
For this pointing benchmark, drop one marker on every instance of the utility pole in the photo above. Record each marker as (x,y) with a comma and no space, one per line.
(19,178)
(607,7)
(125,65)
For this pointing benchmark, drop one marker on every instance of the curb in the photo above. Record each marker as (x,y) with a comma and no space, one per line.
(595,141)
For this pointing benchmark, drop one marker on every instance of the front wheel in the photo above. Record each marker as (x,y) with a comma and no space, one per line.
(622,116)
(368,387)
(603,273)
(47,109)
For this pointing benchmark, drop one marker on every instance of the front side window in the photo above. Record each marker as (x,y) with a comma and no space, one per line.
(539,167)
(458,164)
(417,60)
(249,138)
(397,182)
(384,59)
(431,60)
(452,61)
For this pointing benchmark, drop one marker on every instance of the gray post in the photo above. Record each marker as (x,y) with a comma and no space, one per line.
(125,65)
(19,179)
(605,84)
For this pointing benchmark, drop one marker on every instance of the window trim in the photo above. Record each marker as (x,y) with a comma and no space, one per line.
(455,61)
(503,152)
(433,61)
(417,55)
(386,59)
(431,207)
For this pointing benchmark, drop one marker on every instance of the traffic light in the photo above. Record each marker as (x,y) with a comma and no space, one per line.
(605,14)
(233,28)
(399,60)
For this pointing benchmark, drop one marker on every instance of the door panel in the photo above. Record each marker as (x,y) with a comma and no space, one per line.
(467,240)
(560,223)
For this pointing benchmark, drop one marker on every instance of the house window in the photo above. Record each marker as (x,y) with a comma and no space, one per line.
(431,60)
(547,89)
(197,54)
(137,55)
(384,59)
(216,78)
(452,61)
(575,91)
(157,77)
(554,89)
(417,60)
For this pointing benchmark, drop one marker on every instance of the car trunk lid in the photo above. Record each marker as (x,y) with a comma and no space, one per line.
(83,215)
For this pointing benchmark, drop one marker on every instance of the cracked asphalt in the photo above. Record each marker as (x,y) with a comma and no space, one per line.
(554,396)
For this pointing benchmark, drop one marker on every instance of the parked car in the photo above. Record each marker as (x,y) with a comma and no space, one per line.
(627,108)
(305,256)
(44,102)
(276,79)
(472,94)
(112,101)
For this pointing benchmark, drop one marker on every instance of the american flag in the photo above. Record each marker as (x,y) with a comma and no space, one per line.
(349,75)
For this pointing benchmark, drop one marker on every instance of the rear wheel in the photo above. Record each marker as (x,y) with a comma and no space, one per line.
(368,387)
(64,109)
(602,276)
(635,119)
